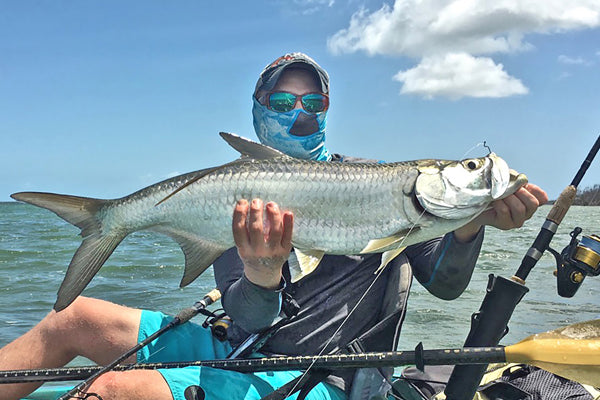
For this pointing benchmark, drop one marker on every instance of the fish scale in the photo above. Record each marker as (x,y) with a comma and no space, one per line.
(339,208)
(332,211)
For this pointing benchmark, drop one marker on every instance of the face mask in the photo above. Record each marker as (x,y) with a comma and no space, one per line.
(273,129)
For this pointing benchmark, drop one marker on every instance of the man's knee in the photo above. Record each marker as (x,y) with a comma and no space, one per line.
(131,385)
(76,315)
(108,386)
(93,328)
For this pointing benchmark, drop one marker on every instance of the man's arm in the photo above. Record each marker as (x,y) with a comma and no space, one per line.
(445,266)
(250,277)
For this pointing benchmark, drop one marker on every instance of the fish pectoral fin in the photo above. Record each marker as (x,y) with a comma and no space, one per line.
(246,147)
(86,262)
(199,255)
(386,243)
(387,257)
(199,175)
(249,148)
(303,262)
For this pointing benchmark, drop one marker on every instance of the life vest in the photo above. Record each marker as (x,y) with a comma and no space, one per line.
(369,383)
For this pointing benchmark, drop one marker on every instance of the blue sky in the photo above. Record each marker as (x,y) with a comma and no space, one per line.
(101,98)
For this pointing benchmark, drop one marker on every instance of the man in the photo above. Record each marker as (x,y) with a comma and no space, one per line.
(290,106)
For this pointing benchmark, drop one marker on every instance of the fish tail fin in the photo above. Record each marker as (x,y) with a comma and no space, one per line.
(87,261)
(95,248)
(79,211)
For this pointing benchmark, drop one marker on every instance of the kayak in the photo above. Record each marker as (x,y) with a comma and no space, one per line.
(577,358)
(54,392)
(48,392)
(542,383)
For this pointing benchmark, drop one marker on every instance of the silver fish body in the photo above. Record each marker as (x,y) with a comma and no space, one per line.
(339,208)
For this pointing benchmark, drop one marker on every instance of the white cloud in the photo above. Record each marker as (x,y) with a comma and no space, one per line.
(457,75)
(564,75)
(421,27)
(433,28)
(313,6)
(573,60)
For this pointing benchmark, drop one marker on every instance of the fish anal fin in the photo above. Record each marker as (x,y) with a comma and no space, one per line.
(249,148)
(87,261)
(302,262)
(389,242)
(387,257)
(197,260)
(199,255)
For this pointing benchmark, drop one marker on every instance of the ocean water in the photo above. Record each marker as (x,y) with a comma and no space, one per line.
(144,272)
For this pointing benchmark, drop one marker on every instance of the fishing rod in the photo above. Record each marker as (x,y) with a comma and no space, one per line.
(577,356)
(490,323)
(182,317)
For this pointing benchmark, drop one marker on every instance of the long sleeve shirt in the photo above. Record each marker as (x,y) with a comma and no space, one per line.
(328,295)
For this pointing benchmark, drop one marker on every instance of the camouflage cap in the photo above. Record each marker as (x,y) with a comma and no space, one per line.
(269,76)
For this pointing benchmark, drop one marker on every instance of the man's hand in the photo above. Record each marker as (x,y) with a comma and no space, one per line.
(264,244)
(508,213)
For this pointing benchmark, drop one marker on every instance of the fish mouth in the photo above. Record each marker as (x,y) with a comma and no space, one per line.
(516,181)
(498,177)
(503,180)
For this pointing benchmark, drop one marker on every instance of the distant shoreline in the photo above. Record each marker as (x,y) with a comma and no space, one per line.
(551,203)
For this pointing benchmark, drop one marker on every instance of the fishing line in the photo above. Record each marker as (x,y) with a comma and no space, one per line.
(378,273)
(336,332)
(595,195)
(155,352)
(480,144)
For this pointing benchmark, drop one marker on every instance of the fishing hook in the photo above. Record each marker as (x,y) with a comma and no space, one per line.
(489,149)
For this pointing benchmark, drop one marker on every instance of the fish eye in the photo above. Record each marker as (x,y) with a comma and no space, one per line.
(472,164)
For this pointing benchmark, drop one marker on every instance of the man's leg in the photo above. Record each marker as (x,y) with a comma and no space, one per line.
(96,329)
(131,385)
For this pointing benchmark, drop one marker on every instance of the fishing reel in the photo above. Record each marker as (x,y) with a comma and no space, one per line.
(576,261)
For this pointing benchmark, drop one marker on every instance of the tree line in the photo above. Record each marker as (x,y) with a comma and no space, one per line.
(590,196)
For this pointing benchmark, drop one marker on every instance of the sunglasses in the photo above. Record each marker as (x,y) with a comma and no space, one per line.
(284,101)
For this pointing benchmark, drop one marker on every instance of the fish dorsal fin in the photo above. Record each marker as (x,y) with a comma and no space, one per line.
(303,262)
(388,256)
(386,243)
(248,148)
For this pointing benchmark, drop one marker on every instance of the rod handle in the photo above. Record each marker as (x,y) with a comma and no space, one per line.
(213,295)
(562,204)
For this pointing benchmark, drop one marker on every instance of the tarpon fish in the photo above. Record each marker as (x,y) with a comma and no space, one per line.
(339,208)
